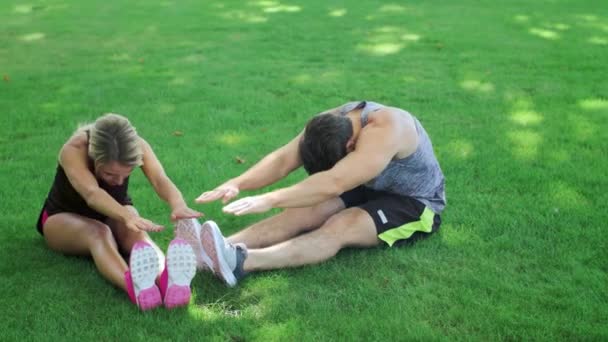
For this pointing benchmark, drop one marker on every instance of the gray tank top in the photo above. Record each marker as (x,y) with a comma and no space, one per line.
(417,175)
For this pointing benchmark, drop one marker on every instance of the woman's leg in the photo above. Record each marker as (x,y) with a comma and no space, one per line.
(74,234)
(127,238)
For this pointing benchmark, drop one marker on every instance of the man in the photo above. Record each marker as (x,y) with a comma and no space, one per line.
(373,179)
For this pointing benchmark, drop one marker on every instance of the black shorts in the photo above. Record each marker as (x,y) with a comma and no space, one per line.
(398,219)
(48,210)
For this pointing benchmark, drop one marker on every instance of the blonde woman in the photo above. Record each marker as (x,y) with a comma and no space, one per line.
(88,212)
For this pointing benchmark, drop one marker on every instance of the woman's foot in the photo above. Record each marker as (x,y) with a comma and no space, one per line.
(141,276)
(179,272)
(190,231)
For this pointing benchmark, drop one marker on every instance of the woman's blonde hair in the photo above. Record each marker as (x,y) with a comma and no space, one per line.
(113,138)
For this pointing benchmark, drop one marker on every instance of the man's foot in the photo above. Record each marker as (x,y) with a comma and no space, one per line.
(142,273)
(227,259)
(179,271)
(189,230)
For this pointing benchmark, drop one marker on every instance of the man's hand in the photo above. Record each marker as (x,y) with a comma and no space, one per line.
(226,192)
(139,224)
(183,212)
(249,205)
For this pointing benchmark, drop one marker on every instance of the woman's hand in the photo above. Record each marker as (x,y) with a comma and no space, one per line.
(138,224)
(183,212)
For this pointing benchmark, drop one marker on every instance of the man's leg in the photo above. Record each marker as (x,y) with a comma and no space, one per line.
(351,227)
(286,225)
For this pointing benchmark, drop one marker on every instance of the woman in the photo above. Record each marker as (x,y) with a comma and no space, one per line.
(89,212)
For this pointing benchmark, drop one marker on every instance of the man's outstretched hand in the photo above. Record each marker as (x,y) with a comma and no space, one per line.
(249,205)
(225,191)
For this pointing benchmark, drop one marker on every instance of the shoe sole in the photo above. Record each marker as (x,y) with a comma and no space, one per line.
(144,266)
(181,268)
(189,231)
(213,243)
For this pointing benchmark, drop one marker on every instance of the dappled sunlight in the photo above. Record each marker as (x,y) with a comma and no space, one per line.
(587,17)
(179,81)
(231,138)
(244,16)
(265,3)
(598,40)
(458,236)
(23,9)
(275,7)
(460,149)
(338,12)
(32,37)
(273,331)
(593,104)
(302,78)
(479,86)
(544,33)
(326,76)
(526,117)
(566,196)
(120,57)
(255,301)
(558,26)
(381,49)
(193,59)
(558,156)
(411,37)
(582,127)
(391,8)
(282,8)
(212,312)
(166,108)
(387,40)
(50,106)
(525,143)
(521,18)
(151,29)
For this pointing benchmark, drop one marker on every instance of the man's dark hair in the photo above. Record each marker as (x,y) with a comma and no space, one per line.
(324,142)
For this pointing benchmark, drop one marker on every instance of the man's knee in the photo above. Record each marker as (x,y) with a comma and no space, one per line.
(315,215)
(351,226)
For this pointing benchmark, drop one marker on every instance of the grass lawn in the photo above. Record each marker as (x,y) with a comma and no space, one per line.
(513,93)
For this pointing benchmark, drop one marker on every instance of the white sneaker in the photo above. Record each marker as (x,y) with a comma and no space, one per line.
(189,230)
(227,259)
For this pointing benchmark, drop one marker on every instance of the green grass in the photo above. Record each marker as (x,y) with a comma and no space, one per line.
(514,95)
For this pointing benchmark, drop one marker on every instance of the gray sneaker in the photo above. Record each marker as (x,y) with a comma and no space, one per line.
(189,230)
(226,259)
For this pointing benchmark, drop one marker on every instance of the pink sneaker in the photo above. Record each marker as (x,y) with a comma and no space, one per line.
(190,231)
(179,270)
(141,276)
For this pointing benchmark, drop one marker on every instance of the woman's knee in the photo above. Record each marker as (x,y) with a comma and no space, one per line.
(100,233)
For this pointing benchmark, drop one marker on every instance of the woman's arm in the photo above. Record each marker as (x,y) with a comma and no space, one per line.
(163,186)
(73,159)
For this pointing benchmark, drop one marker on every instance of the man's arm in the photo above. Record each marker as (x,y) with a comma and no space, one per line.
(272,168)
(376,146)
